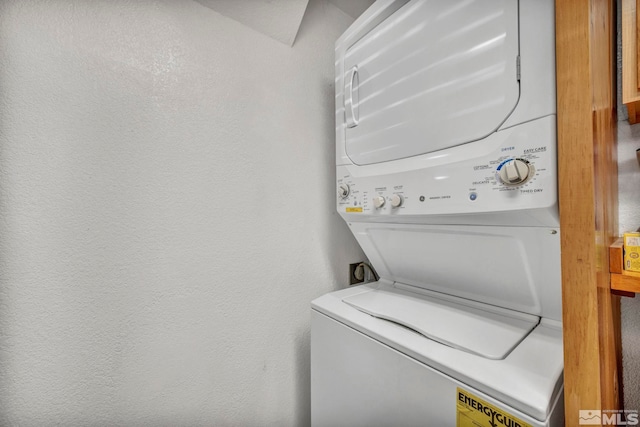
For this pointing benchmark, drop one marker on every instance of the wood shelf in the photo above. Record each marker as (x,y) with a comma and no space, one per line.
(626,283)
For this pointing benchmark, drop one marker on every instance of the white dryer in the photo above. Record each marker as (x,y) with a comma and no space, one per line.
(446,175)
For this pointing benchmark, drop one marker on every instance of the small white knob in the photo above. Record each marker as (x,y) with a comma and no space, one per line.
(378,202)
(396,200)
(343,191)
(514,172)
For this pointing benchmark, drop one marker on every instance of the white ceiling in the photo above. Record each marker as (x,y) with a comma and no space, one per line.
(278,19)
(354,8)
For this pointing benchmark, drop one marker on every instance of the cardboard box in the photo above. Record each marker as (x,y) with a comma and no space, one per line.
(632,251)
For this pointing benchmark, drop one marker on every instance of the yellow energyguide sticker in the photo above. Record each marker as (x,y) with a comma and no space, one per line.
(350,210)
(471,411)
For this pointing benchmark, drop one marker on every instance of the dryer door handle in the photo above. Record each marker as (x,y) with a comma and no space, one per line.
(351,98)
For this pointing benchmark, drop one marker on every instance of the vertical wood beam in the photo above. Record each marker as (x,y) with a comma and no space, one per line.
(587,167)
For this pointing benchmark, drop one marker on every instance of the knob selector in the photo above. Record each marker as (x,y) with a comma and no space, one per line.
(378,202)
(515,172)
(343,191)
(396,200)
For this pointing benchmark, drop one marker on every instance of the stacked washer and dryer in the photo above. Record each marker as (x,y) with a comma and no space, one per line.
(446,176)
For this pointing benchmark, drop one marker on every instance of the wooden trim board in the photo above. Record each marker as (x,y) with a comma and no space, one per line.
(637,46)
(587,167)
(630,65)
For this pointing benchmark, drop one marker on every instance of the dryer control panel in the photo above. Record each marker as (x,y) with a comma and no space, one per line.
(510,171)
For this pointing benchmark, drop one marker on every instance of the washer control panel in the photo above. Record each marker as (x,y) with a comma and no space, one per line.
(514,169)
(343,191)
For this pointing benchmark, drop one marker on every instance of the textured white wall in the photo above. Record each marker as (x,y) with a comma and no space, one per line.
(166,213)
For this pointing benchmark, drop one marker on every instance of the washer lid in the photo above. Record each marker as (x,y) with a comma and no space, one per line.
(433,75)
(476,328)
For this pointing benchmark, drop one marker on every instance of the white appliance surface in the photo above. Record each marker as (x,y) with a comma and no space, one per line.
(477,328)
(447,177)
(529,379)
(400,88)
(407,380)
(399,95)
(512,267)
(481,329)
(460,185)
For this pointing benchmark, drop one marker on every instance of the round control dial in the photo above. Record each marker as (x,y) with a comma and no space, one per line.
(378,202)
(396,200)
(343,191)
(515,172)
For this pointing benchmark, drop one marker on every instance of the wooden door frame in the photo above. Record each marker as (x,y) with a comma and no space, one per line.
(588,189)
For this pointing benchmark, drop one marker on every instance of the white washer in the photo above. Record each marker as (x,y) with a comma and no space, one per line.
(446,175)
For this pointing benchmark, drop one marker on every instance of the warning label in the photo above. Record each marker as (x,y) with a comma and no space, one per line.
(475,412)
(352,210)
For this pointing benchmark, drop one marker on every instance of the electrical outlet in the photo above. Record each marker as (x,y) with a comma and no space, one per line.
(356,275)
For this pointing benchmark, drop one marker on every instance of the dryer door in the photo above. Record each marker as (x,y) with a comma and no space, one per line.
(433,75)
